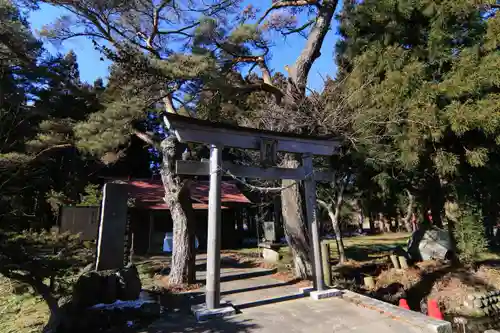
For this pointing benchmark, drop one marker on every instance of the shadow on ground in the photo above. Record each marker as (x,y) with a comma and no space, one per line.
(179,324)
(368,252)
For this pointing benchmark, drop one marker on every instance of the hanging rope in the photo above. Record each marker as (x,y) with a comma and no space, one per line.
(254,188)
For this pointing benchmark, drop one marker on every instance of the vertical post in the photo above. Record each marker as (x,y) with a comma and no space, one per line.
(312,218)
(327,268)
(214,229)
(151,228)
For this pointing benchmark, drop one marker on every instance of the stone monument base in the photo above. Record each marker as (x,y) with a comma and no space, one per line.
(328,293)
(270,252)
(202,313)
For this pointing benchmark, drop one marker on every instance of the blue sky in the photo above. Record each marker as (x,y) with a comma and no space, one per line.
(283,53)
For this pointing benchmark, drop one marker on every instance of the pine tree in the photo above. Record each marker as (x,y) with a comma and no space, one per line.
(170,65)
(422,81)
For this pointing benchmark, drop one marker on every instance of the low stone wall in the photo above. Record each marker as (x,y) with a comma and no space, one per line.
(425,323)
(107,299)
(487,304)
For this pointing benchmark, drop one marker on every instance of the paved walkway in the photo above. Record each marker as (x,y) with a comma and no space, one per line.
(268,305)
(300,315)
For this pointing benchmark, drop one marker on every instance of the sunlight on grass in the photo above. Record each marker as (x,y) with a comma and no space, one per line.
(359,247)
(20,313)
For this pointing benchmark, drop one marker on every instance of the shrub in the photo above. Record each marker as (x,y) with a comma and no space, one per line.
(470,237)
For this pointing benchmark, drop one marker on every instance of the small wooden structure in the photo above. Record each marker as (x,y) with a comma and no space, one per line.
(269,143)
(82,220)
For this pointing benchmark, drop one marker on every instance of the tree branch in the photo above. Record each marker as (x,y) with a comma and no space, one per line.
(52,148)
(147,138)
(300,70)
(154,28)
(180,31)
(278,94)
(260,61)
(299,29)
(324,204)
(169,105)
(281,4)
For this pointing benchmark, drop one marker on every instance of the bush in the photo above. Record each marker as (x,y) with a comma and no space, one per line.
(470,236)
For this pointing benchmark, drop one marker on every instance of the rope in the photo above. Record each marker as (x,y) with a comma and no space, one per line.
(254,188)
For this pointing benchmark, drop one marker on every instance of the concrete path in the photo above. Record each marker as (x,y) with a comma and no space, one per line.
(268,305)
(241,285)
(300,315)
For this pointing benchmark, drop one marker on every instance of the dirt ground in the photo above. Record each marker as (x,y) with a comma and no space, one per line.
(368,256)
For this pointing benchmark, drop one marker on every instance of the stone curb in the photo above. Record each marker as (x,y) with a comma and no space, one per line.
(427,324)
(328,293)
(201,312)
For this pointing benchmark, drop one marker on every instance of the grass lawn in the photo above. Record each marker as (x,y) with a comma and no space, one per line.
(359,248)
(367,248)
(20,313)
(26,313)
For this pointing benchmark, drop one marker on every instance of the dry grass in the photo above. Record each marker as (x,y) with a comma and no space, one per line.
(407,278)
(20,313)
(451,292)
(490,275)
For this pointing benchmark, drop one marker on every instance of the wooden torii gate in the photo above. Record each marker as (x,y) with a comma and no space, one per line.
(218,136)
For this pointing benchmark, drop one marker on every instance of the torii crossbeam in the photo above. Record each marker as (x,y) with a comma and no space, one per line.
(218,136)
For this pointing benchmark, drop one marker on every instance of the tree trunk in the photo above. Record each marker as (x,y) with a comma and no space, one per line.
(56,317)
(178,199)
(409,212)
(436,203)
(295,225)
(361,220)
(371,222)
(334,216)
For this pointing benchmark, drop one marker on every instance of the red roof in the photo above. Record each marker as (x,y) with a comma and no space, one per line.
(149,194)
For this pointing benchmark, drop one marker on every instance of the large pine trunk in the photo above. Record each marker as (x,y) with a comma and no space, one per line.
(295,224)
(178,199)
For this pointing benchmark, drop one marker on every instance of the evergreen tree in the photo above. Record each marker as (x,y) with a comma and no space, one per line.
(171,65)
(422,80)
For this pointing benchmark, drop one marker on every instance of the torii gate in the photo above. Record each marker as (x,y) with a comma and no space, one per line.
(218,136)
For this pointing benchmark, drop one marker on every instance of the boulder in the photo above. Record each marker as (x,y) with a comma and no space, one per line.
(429,243)
(270,255)
(106,287)
(129,286)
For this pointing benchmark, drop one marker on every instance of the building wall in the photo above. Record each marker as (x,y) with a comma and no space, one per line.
(80,220)
(149,229)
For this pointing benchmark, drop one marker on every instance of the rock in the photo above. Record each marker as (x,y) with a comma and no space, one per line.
(110,291)
(430,243)
(477,295)
(19,288)
(86,291)
(270,255)
(150,309)
(129,283)
(477,303)
(460,320)
(106,287)
(116,318)
(471,297)
(87,269)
